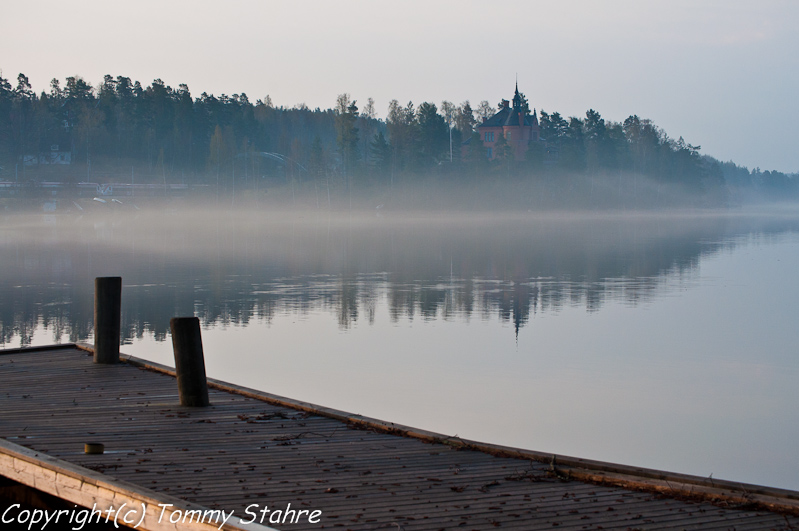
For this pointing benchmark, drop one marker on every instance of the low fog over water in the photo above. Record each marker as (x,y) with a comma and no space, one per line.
(233,266)
(653,339)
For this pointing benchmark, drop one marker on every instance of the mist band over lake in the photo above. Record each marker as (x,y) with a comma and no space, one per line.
(658,340)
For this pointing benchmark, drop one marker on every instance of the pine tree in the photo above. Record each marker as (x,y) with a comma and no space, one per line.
(347,134)
(380,152)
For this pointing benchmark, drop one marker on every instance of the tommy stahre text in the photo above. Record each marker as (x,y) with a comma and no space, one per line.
(135,515)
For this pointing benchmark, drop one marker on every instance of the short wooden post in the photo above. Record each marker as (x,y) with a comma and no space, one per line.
(189,361)
(107,316)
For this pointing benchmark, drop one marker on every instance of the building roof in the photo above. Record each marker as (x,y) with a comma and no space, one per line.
(506,117)
(509,116)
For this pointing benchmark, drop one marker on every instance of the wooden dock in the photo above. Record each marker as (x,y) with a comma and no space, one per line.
(252,449)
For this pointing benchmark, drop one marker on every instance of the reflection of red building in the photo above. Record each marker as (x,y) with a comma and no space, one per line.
(512,123)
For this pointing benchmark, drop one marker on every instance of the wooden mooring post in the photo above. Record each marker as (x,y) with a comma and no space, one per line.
(107,317)
(189,361)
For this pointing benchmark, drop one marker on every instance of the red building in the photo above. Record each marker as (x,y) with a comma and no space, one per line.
(518,128)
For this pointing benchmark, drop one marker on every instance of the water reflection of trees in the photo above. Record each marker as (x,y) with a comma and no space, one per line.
(233,270)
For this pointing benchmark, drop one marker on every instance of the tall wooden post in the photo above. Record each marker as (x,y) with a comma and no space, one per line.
(107,316)
(189,361)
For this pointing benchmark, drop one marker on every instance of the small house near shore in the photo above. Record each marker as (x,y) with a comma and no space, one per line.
(514,124)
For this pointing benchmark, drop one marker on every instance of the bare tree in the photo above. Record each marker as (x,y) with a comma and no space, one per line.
(485,111)
(448,111)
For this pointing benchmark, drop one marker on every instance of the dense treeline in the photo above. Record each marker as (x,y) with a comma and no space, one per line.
(158,130)
(163,134)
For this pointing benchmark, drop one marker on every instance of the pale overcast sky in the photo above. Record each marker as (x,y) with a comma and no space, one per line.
(721,73)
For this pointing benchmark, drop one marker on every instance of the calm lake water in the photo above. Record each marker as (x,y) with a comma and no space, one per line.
(660,340)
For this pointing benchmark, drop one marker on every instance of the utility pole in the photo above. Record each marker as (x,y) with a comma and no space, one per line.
(450,143)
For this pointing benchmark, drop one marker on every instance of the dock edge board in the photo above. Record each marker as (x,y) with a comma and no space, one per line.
(94,490)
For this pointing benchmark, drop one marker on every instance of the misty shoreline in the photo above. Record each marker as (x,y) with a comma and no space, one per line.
(630,193)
